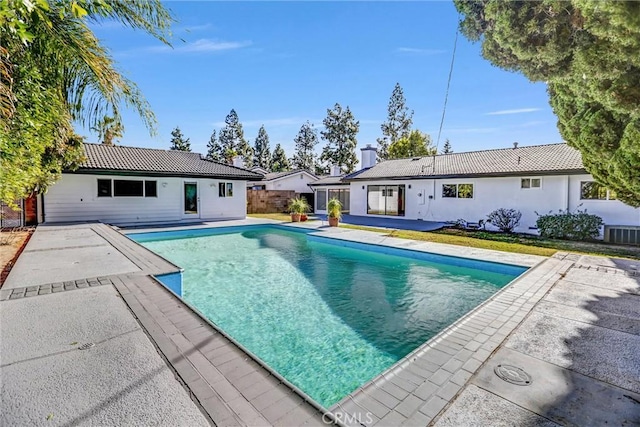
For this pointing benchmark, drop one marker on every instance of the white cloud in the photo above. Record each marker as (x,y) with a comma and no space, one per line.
(514,111)
(198,46)
(419,51)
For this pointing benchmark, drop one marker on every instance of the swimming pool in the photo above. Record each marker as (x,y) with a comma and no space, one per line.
(327,315)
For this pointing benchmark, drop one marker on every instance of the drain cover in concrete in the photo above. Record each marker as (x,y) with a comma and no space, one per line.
(513,374)
(86,346)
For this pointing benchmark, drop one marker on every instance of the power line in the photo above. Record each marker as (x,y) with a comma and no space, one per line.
(446,96)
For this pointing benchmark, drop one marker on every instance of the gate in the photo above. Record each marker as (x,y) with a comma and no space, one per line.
(10,217)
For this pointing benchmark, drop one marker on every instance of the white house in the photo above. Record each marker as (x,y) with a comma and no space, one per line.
(129,185)
(296,180)
(542,179)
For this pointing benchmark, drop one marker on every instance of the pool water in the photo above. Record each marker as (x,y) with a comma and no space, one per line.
(327,318)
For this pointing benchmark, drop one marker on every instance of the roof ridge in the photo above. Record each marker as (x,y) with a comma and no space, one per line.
(140,148)
(478,151)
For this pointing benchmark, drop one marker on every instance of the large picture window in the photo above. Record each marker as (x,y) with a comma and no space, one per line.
(457,191)
(386,200)
(591,190)
(343,196)
(127,188)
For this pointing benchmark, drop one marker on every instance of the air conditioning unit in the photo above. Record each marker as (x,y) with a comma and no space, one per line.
(622,234)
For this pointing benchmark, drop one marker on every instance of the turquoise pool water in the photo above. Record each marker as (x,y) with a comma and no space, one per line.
(328,318)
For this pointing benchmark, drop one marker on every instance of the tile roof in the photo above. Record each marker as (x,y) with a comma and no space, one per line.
(329,180)
(539,159)
(132,160)
(276,175)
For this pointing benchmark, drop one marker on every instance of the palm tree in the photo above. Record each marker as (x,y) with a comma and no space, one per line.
(54,71)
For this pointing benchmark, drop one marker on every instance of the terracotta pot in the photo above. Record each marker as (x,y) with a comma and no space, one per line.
(295,217)
(333,222)
(303,218)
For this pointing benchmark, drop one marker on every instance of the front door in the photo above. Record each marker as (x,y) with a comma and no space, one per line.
(191,200)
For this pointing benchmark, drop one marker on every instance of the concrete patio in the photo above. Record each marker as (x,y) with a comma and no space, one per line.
(571,323)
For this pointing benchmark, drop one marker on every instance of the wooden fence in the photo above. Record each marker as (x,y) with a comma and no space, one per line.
(268,201)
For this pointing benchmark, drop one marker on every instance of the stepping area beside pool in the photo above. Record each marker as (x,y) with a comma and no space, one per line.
(571,323)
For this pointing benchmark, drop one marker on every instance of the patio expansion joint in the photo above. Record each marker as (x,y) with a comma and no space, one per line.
(440,388)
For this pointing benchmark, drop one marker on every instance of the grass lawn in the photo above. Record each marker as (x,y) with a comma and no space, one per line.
(522,244)
(519,243)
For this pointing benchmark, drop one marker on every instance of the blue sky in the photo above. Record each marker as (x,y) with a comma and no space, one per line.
(282,63)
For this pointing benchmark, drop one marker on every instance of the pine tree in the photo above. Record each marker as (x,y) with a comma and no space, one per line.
(232,140)
(178,142)
(587,54)
(398,124)
(279,161)
(306,141)
(261,149)
(340,133)
(446,148)
(214,149)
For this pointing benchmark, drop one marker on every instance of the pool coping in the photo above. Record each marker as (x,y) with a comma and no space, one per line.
(416,388)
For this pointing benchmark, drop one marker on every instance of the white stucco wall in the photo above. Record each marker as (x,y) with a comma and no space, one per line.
(297,182)
(613,212)
(555,193)
(74,198)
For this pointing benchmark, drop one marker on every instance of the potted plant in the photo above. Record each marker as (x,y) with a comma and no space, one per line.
(297,207)
(334,212)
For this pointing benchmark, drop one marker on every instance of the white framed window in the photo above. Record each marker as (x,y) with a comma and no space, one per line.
(527,183)
(127,188)
(591,190)
(225,189)
(457,191)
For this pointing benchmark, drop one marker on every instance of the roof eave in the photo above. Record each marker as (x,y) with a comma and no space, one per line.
(477,175)
(127,172)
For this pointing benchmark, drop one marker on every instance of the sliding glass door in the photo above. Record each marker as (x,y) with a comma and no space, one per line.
(385,200)
(343,196)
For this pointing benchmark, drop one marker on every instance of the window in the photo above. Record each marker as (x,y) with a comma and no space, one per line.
(343,196)
(104,188)
(449,190)
(321,200)
(591,190)
(386,200)
(225,189)
(150,189)
(126,188)
(459,191)
(530,183)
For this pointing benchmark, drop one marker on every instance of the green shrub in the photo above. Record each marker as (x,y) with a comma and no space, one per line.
(505,219)
(578,225)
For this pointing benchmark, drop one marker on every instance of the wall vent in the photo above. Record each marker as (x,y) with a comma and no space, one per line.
(622,234)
